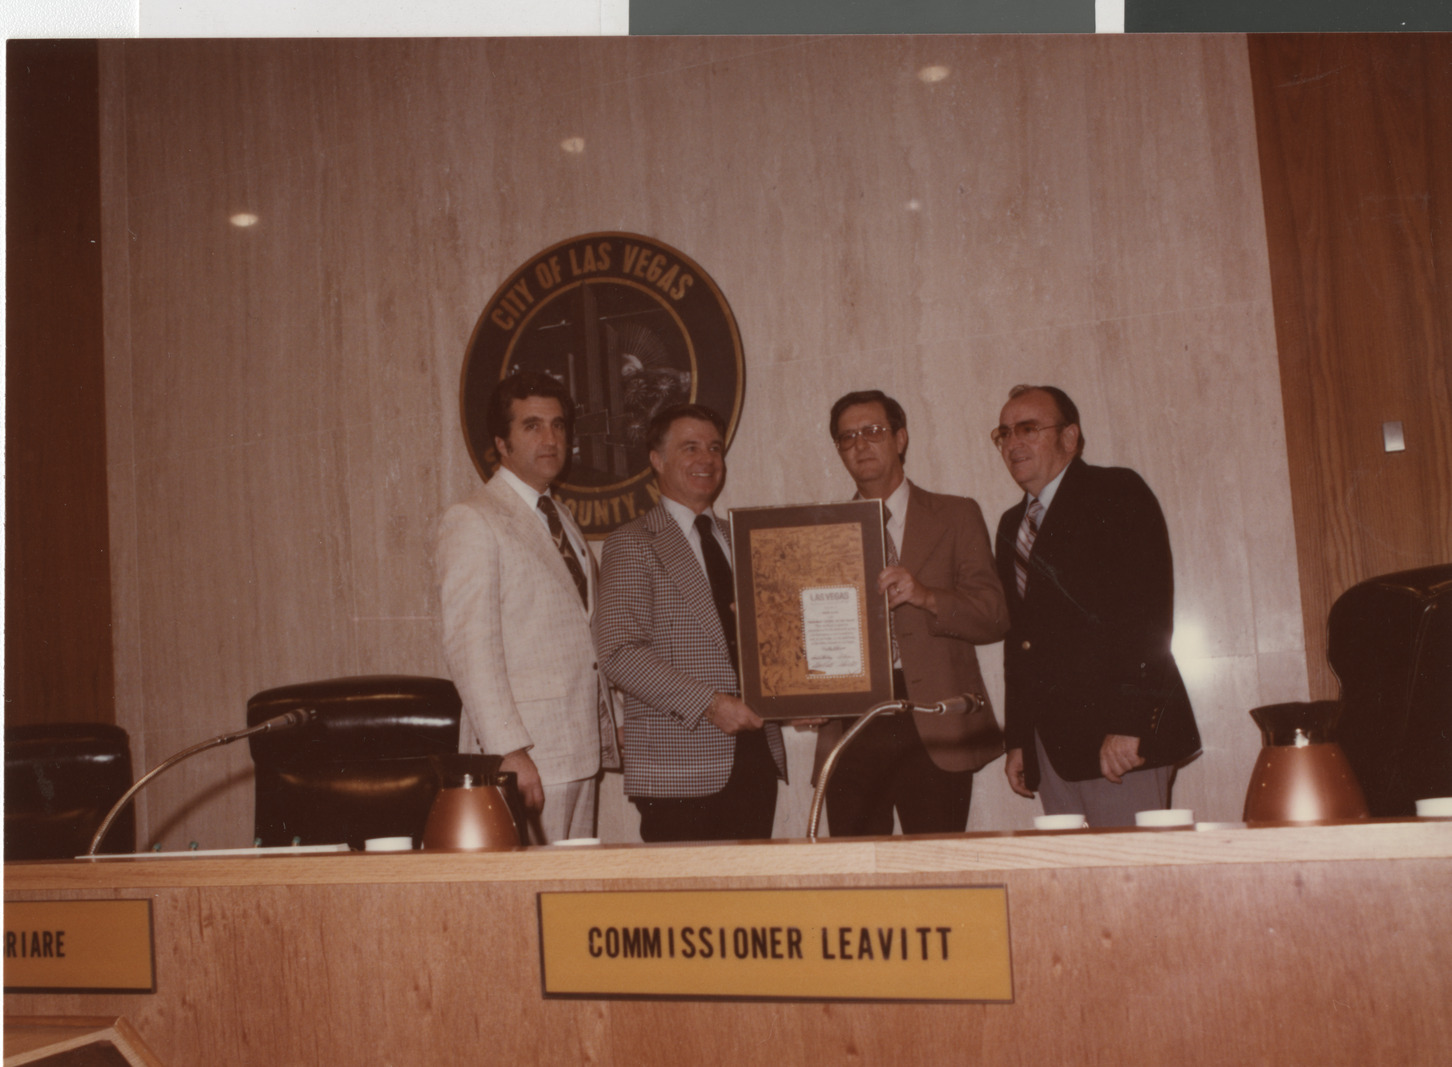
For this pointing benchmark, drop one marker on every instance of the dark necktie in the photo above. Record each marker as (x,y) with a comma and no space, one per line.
(1028,530)
(892,561)
(718,572)
(567,551)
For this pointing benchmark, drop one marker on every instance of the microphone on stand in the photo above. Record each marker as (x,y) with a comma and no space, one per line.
(955,705)
(286,721)
(296,717)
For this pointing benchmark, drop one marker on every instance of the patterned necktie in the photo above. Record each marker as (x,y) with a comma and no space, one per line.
(567,551)
(1024,546)
(892,561)
(718,572)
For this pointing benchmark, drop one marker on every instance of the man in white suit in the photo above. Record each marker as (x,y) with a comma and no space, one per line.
(517,586)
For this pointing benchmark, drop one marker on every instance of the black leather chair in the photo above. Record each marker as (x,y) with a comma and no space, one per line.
(1390,643)
(60,780)
(361,768)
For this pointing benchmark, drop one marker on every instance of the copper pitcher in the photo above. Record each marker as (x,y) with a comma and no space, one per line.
(1301,774)
(471,812)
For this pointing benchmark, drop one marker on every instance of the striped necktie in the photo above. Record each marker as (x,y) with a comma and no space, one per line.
(567,551)
(1024,546)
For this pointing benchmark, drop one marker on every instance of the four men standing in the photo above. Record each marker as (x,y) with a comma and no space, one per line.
(1096,713)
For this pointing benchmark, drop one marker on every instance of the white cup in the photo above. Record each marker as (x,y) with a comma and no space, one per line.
(1165,817)
(388,844)
(1434,808)
(1059,822)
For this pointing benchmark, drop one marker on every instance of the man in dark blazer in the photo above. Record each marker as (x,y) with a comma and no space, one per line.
(944,598)
(700,765)
(1095,712)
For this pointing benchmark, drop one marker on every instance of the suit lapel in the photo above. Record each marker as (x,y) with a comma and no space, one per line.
(530,532)
(925,529)
(1061,514)
(679,562)
(1054,544)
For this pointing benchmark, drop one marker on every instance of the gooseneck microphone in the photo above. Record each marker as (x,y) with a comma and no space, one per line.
(286,721)
(961,704)
(954,705)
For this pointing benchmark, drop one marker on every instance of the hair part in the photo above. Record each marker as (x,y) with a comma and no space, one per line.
(520,386)
(1068,410)
(666,417)
(896,417)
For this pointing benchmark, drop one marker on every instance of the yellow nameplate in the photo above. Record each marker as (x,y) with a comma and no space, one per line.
(79,946)
(797,944)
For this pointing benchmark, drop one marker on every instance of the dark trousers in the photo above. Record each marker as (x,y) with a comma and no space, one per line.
(887,767)
(743,810)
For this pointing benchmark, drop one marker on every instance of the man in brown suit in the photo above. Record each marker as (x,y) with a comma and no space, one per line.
(945,597)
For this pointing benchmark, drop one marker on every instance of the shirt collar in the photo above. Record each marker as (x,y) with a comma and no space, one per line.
(897,501)
(1046,495)
(528,493)
(684,516)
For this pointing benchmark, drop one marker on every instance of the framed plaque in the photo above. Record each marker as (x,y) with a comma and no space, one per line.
(810,624)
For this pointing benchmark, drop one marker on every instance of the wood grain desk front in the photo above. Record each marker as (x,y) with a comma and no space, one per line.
(1327,945)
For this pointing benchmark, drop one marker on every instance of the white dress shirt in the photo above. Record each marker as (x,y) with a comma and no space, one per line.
(530,495)
(686,520)
(1046,495)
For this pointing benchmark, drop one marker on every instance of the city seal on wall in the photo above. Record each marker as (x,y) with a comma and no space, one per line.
(631,326)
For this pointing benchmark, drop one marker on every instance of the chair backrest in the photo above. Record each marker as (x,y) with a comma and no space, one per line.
(1389,641)
(60,780)
(361,768)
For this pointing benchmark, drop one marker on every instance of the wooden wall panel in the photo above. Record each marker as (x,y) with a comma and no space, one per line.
(1356,158)
(58,653)
(284,398)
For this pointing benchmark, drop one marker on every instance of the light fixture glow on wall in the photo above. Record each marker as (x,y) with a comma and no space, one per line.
(932,73)
(1192,651)
(243,219)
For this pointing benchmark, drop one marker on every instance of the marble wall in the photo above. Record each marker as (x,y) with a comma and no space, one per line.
(282,406)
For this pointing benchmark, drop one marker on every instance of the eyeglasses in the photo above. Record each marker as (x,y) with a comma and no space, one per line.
(1028,431)
(871,434)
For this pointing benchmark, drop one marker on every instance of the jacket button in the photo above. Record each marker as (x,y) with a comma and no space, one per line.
(1026,646)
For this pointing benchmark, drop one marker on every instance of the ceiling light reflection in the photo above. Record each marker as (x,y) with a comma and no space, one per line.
(243,219)
(932,73)
(573,145)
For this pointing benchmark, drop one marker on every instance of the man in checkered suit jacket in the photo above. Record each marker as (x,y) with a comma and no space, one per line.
(699,764)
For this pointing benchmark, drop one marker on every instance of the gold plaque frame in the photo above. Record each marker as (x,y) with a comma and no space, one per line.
(810,624)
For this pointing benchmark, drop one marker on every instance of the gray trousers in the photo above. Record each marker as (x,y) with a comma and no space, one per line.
(1100,801)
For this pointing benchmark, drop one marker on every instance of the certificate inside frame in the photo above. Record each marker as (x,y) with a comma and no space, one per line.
(810,624)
